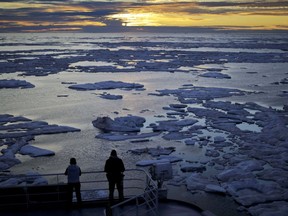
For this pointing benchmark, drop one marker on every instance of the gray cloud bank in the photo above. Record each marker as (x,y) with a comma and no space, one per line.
(56,14)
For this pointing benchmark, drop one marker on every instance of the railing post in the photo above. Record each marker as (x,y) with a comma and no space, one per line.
(27,196)
(137,207)
(57,178)
(157,202)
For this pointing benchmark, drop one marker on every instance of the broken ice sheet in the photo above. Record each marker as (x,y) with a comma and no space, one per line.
(17,132)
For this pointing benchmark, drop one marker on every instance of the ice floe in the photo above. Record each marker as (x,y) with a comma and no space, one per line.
(120,136)
(108,96)
(149,162)
(128,56)
(105,85)
(35,151)
(194,94)
(162,154)
(17,132)
(154,151)
(243,173)
(196,181)
(276,208)
(12,83)
(187,167)
(251,191)
(216,75)
(123,124)
(121,128)
(29,179)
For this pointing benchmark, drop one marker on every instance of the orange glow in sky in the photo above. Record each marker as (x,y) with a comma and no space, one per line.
(185,13)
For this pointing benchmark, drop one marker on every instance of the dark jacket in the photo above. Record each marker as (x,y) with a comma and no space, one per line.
(114,167)
(73,171)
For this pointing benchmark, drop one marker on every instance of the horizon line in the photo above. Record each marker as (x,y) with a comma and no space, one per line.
(121,29)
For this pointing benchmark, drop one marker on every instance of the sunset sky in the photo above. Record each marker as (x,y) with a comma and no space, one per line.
(90,15)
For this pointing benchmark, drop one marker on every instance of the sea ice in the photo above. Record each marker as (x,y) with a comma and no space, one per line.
(200,93)
(213,188)
(154,151)
(218,139)
(196,181)
(234,174)
(120,124)
(190,141)
(105,85)
(12,83)
(150,162)
(18,131)
(187,167)
(30,178)
(216,75)
(241,172)
(9,182)
(172,159)
(278,175)
(251,191)
(92,195)
(255,168)
(35,151)
(110,96)
(251,165)
(119,137)
(172,125)
(276,208)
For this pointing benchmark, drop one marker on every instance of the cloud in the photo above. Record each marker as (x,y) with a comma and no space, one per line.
(81,14)
(90,13)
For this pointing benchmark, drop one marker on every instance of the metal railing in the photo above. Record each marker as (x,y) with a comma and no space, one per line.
(145,204)
(139,189)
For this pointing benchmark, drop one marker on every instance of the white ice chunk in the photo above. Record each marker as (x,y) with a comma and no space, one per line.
(197,181)
(120,137)
(216,75)
(187,167)
(251,191)
(110,96)
(105,85)
(10,182)
(233,174)
(35,151)
(277,208)
(123,124)
(172,159)
(150,162)
(214,188)
(190,141)
(218,139)
(12,83)
(250,165)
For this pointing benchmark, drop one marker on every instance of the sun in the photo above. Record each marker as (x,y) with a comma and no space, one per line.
(136,19)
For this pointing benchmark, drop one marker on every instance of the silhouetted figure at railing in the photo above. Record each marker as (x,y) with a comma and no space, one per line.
(73,173)
(114,168)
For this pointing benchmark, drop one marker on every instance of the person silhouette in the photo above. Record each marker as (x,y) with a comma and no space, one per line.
(73,173)
(114,168)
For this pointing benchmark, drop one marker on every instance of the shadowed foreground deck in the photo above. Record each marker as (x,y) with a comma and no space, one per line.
(166,208)
(52,199)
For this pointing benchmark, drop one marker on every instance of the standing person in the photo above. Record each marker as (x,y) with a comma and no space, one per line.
(73,173)
(114,169)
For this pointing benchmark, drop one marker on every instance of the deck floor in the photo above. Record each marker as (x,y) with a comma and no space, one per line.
(167,208)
